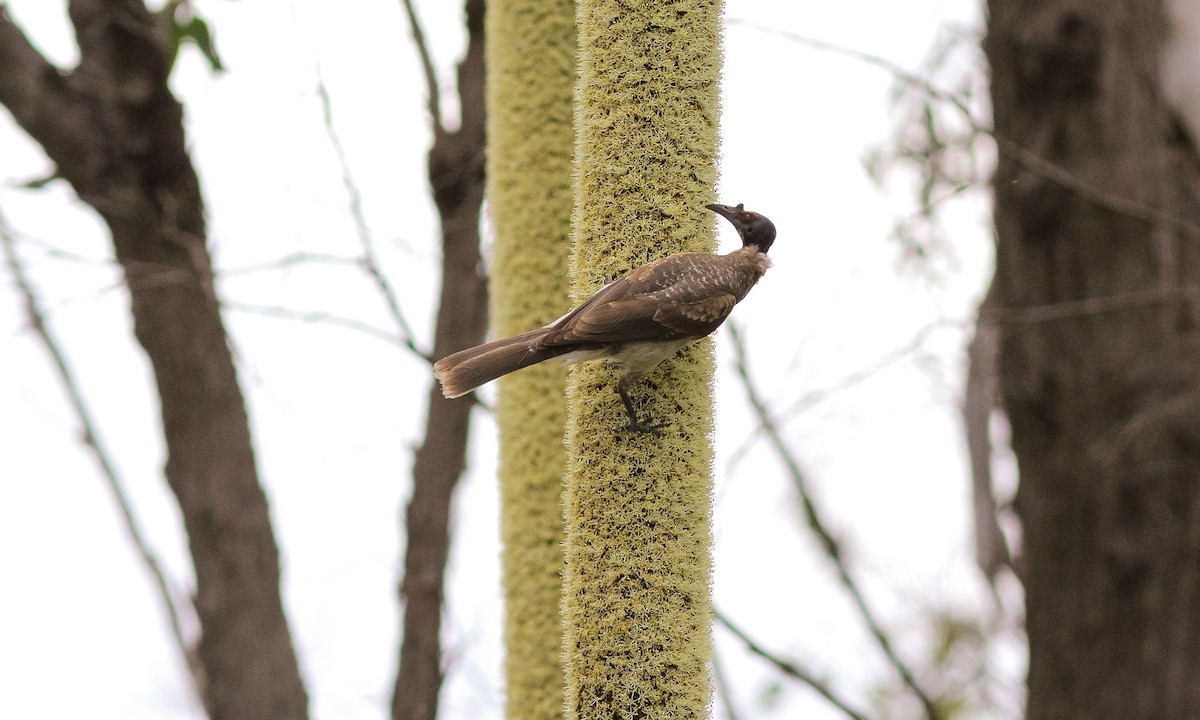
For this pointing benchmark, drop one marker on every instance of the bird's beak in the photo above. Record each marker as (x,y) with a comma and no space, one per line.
(730,213)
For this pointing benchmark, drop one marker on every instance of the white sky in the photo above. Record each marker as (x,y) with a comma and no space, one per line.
(336,414)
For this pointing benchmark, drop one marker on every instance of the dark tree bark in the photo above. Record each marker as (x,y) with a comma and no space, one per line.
(115,133)
(1097,276)
(456,175)
(979,402)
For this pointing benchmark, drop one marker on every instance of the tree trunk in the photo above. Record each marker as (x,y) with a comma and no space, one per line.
(456,174)
(116,134)
(1097,274)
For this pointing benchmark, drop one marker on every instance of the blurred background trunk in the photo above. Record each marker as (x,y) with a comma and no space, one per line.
(1097,277)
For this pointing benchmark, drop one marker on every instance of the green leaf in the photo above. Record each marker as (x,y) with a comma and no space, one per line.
(198,32)
(184,27)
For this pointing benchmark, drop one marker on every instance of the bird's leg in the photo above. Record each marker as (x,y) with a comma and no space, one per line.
(634,423)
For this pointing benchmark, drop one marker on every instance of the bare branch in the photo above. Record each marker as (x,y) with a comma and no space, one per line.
(1094,305)
(815,397)
(38,95)
(820,395)
(1181,406)
(721,681)
(456,173)
(51,250)
(290,260)
(174,603)
(791,669)
(370,259)
(431,82)
(319,316)
(1031,161)
(828,543)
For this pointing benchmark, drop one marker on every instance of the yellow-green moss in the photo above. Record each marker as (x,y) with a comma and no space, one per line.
(636,599)
(531,75)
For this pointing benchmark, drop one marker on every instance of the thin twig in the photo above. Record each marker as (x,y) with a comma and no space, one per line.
(791,669)
(318,316)
(52,250)
(291,259)
(828,543)
(1093,305)
(370,259)
(434,105)
(172,602)
(1026,158)
(815,397)
(721,681)
(811,399)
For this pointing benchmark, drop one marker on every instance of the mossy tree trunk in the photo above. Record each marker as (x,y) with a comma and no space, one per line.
(636,601)
(531,82)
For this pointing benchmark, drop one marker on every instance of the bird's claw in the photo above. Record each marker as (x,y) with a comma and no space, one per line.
(636,425)
(651,428)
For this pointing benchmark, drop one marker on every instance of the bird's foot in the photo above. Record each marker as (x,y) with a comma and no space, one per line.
(636,425)
(647,428)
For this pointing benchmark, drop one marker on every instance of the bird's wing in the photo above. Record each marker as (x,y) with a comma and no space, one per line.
(709,312)
(677,298)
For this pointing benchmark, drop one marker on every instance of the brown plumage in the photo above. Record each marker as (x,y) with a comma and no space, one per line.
(634,322)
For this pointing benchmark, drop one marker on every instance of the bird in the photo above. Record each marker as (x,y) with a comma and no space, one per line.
(634,322)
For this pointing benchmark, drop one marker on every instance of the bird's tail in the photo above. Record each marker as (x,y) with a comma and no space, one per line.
(466,370)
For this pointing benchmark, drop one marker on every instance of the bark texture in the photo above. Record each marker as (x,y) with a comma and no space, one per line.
(1097,276)
(979,402)
(456,175)
(115,133)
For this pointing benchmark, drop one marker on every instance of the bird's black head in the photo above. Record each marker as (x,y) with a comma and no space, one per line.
(755,229)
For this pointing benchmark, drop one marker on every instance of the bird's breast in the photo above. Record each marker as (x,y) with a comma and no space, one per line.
(639,357)
(631,358)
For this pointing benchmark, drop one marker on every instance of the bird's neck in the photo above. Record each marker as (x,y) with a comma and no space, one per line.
(749,255)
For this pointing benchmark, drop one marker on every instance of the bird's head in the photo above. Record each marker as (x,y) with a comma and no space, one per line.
(754,229)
